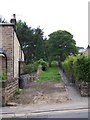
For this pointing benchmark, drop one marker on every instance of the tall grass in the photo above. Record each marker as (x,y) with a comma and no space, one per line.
(51,74)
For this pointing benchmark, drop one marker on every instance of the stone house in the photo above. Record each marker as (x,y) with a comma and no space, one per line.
(11,55)
(11,60)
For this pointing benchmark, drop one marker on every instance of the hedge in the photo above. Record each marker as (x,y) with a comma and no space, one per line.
(78,67)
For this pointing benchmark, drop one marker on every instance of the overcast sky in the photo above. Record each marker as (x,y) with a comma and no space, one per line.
(51,15)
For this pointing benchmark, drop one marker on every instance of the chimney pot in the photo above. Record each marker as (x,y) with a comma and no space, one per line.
(14,16)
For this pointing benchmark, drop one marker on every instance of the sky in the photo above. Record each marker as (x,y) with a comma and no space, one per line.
(51,15)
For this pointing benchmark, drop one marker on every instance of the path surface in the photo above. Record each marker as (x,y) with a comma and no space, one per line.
(42,93)
(76,102)
(72,90)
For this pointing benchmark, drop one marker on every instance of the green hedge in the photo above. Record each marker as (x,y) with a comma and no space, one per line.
(78,66)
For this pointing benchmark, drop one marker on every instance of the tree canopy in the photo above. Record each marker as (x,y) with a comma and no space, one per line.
(61,44)
(31,41)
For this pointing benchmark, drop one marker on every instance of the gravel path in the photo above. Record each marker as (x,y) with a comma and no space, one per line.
(73,92)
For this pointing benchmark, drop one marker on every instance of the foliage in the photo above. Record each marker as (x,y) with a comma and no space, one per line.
(68,63)
(3,76)
(60,45)
(82,68)
(31,67)
(44,64)
(31,40)
(54,64)
(78,66)
(18,91)
(51,74)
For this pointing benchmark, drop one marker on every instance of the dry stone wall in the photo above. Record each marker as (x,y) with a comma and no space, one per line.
(8,89)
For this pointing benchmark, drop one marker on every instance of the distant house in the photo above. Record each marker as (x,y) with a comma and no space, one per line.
(11,55)
(87,51)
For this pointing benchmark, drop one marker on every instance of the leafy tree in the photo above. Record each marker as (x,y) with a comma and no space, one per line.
(61,44)
(39,45)
(25,35)
(31,41)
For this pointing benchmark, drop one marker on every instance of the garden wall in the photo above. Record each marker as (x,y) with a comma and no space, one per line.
(8,89)
(84,88)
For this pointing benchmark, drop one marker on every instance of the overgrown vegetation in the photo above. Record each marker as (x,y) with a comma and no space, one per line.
(31,67)
(51,74)
(43,63)
(18,91)
(3,76)
(78,67)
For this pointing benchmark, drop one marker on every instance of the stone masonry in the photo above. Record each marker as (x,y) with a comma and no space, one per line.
(10,57)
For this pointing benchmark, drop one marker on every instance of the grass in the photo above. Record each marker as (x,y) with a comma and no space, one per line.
(51,74)
(18,91)
(3,76)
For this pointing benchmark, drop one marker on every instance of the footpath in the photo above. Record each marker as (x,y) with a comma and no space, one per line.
(76,102)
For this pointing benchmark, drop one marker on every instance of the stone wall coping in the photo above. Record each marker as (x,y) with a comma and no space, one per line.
(7,24)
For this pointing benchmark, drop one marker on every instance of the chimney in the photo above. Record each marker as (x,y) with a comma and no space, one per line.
(13,20)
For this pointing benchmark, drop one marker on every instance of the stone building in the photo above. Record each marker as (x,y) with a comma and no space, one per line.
(11,55)
(11,61)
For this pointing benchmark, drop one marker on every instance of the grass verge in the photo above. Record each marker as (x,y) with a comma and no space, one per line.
(52,74)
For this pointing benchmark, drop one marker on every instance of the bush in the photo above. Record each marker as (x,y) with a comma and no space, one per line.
(32,67)
(82,68)
(43,63)
(68,64)
(78,66)
(53,63)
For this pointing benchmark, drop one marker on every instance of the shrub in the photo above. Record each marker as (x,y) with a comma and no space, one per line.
(32,67)
(53,63)
(82,68)
(68,64)
(43,63)
(78,66)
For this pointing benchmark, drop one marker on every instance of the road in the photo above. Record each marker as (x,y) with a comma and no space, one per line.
(79,113)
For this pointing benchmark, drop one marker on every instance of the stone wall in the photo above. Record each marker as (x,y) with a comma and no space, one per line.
(8,89)
(9,43)
(84,88)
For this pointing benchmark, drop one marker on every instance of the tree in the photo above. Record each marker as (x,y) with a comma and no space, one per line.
(31,41)
(25,35)
(61,44)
